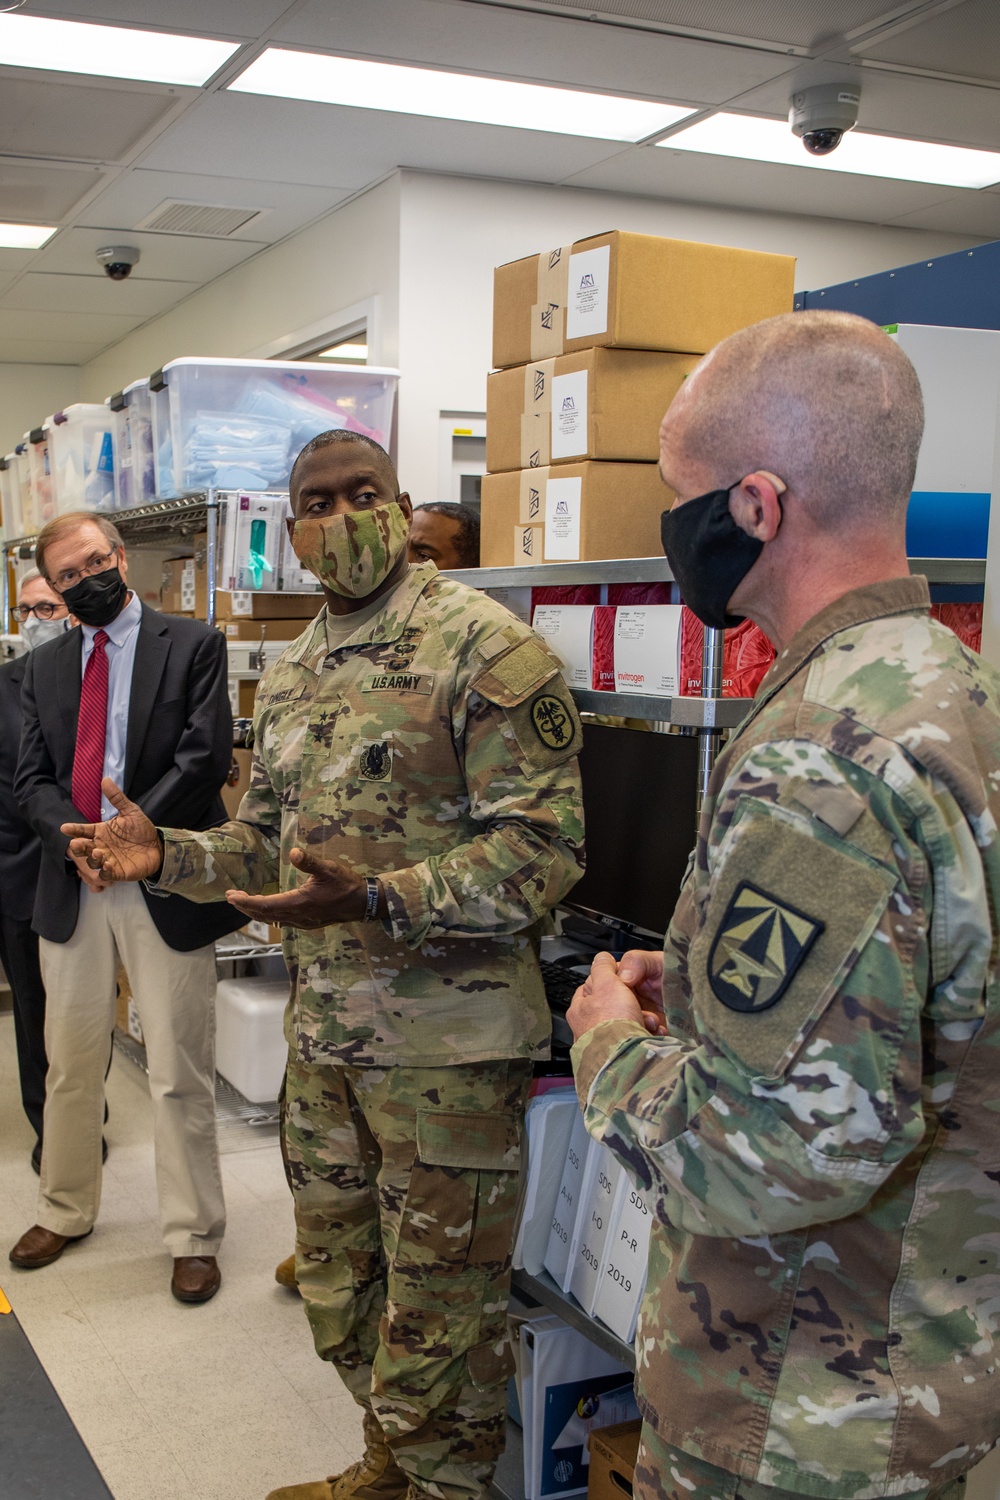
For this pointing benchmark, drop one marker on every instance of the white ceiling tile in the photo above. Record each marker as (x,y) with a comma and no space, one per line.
(964,39)
(288,207)
(969,214)
(95,294)
(36,193)
(49,351)
(15,260)
(543,48)
(71,327)
(165,257)
(244,18)
(50,118)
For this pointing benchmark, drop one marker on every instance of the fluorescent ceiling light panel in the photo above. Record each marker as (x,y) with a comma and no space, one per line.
(453,96)
(24,236)
(109,51)
(344,351)
(753,139)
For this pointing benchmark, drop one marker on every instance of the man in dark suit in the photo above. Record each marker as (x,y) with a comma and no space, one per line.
(141,697)
(41,615)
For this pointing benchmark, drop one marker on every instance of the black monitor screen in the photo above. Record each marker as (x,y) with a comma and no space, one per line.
(639,793)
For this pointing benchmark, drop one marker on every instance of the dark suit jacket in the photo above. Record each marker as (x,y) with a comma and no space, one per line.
(178,751)
(20,849)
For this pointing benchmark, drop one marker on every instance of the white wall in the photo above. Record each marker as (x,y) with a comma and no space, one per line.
(29,394)
(345,258)
(455,230)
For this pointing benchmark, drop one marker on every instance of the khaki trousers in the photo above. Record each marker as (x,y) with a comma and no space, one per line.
(175,996)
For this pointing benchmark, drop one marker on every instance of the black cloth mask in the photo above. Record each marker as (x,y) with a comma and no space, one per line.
(99,599)
(709,555)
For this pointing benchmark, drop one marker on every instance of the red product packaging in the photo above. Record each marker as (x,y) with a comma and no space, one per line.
(566,593)
(604,647)
(966,620)
(643,593)
(747,654)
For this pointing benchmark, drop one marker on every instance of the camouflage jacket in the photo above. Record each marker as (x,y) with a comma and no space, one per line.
(436,749)
(820,1131)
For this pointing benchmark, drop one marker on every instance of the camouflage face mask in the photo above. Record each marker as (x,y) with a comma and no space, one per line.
(352,554)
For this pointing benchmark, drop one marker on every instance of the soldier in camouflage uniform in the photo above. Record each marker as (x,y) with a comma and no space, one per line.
(813,1112)
(414,811)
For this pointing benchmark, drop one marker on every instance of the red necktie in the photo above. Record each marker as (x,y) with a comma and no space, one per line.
(91,733)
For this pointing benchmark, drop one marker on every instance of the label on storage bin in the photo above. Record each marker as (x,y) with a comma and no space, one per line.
(562,520)
(569,415)
(587,304)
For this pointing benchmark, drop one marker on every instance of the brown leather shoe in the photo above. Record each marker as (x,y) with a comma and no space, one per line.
(284,1274)
(40,1247)
(196,1278)
(377,1476)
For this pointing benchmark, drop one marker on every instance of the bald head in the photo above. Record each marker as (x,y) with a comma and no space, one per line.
(824,400)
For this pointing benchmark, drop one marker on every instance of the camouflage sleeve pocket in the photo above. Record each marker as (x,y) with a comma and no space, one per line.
(471,1139)
(527,687)
(790,913)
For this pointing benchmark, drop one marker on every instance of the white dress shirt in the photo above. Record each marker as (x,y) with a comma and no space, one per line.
(122,633)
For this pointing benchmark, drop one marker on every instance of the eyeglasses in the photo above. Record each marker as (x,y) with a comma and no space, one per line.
(44,611)
(97,564)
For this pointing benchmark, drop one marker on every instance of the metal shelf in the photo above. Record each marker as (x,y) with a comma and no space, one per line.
(950,569)
(695,713)
(167,521)
(657,570)
(543,1289)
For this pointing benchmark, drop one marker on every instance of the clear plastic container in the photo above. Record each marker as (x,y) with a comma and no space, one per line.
(238,424)
(22,470)
(132,416)
(43,495)
(10,498)
(82,458)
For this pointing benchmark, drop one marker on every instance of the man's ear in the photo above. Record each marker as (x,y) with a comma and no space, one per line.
(755,505)
(290,526)
(406,505)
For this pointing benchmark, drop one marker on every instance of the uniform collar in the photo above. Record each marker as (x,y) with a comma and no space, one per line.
(386,626)
(876,601)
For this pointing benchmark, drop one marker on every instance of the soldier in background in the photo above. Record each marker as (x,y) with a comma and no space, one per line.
(414,797)
(446,534)
(814,1109)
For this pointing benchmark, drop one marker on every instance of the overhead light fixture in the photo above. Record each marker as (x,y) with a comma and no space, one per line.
(343,351)
(453,96)
(25,236)
(109,51)
(751,138)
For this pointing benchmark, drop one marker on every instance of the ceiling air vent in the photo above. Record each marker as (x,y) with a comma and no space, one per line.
(212,219)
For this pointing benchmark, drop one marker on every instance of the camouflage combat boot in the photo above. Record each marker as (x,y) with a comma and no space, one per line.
(377,1476)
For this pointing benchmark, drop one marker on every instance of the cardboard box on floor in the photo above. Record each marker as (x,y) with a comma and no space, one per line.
(613,1452)
(572,513)
(633,291)
(601,403)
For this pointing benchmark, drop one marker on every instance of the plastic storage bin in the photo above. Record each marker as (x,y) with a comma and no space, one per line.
(22,470)
(132,416)
(10,499)
(81,456)
(250,1046)
(238,424)
(43,496)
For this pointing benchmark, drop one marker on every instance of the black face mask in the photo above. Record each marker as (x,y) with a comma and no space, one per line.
(709,555)
(97,600)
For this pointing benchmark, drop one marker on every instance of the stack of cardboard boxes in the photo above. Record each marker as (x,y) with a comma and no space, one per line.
(591,343)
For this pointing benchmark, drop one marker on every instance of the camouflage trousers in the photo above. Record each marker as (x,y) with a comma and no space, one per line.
(663,1472)
(405,1183)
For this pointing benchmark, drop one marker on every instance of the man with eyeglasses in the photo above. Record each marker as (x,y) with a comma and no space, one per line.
(141,697)
(39,615)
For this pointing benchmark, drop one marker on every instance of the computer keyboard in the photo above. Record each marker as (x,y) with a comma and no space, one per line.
(561,984)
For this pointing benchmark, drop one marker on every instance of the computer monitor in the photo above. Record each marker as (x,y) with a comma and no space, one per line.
(639,792)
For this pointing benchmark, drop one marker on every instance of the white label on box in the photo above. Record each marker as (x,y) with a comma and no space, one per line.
(518,601)
(241,602)
(587,306)
(562,520)
(568,629)
(569,415)
(647,649)
(134,1023)
(187,585)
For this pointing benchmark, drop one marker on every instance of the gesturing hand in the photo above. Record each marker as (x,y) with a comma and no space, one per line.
(126,848)
(332,893)
(605,996)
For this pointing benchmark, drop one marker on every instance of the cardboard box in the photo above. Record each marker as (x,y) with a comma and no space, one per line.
(253,606)
(572,513)
(600,403)
(246,696)
(257,630)
(633,291)
(236,782)
(613,1452)
(177,589)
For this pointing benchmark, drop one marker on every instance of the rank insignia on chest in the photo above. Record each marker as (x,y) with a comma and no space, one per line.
(553,724)
(375,760)
(760,944)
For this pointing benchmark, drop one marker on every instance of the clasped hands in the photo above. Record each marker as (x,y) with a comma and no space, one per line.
(629,989)
(128,847)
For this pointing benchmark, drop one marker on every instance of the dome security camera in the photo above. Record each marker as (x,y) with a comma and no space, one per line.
(117,260)
(822,114)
